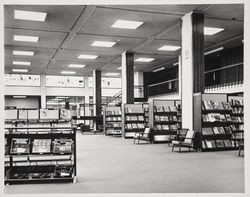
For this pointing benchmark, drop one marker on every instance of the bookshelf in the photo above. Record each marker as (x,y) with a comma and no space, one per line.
(214,120)
(237,117)
(133,119)
(40,150)
(112,120)
(164,119)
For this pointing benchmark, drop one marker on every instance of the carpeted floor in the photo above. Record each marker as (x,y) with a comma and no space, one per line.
(107,164)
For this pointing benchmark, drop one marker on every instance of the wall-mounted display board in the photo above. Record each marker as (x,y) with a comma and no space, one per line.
(64,81)
(133,119)
(22,80)
(215,121)
(112,120)
(108,82)
(164,119)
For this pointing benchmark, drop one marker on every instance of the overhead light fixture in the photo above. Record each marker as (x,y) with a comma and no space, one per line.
(90,57)
(213,51)
(158,69)
(176,63)
(26,53)
(103,44)
(26,38)
(62,97)
(76,65)
(169,48)
(20,70)
(68,72)
(142,59)
(21,63)
(119,68)
(21,97)
(212,30)
(29,15)
(112,74)
(124,24)
(57,99)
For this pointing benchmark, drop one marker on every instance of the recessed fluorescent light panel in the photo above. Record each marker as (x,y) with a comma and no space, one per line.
(19,97)
(176,63)
(21,63)
(212,30)
(169,48)
(26,38)
(142,59)
(213,51)
(25,53)
(119,68)
(77,65)
(90,57)
(68,72)
(158,69)
(112,74)
(103,44)
(20,70)
(124,24)
(29,15)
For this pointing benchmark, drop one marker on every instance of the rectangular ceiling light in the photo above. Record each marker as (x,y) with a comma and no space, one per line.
(124,24)
(68,72)
(76,65)
(176,63)
(89,57)
(158,69)
(142,59)
(29,15)
(103,44)
(169,48)
(20,70)
(21,63)
(112,74)
(119,68)
(26,53)
(212,30)
(62,97)
(26,38)
(19,97)
(213,51)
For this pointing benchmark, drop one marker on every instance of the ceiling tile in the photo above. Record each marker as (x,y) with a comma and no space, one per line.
(59,17)
(46,39)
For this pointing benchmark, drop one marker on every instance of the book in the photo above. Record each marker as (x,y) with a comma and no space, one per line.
(228,117)
(204,144)
(227,143)
(165,127)
(65,114)
(172,108)
(166,108)
(129,126)
(216,130)
(219,143)
(159,109)
(215,104)
(23,114)
(62,145)
(157,118)
(207,105)
(41,146)
(162,118)
(207,131)
(20,145)
(140,118)
(166,119)
(140,125)
(173,127)
(134,126)
(158,127)
(208,144)
(226,105)
(221,130)
(227,130)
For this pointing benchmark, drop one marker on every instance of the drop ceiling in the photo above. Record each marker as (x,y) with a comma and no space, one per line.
(69,31)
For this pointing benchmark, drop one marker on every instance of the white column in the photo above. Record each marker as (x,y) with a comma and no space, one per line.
(43,91)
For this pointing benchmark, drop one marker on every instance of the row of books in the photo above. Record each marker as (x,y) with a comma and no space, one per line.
(237,102)
(165,109)
(114,131)
(38,124)
(217,143)
(112,125)
(134,126)
(134,110)
(238,136)
(134,118)
(238,110)
(31,114)
(216,130)
(166,127)
(216,105)
(108,113)
(22,145)
(217,117)
(165,118)
(237,127)
(114,118)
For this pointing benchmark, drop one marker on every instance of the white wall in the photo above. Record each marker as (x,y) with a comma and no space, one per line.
(29,102)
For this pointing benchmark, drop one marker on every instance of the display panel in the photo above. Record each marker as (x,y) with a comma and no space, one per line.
(64,81)
(22,80)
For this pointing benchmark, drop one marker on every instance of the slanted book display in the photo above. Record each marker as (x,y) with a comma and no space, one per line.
(165,119)
(134,119)
(39,150)
(112,120)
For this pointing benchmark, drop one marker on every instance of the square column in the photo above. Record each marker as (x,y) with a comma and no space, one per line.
(127,78)
(43,91)
(192,64)
(97,92)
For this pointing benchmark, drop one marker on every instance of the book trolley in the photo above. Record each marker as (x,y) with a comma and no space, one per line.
(40,150)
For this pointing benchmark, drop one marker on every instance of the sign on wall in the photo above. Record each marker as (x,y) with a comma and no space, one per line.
(64,81)
(22,80)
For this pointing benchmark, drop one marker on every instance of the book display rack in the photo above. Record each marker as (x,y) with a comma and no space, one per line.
(164,119)
(112,120)
(42,151)
(214,118)
(133,119)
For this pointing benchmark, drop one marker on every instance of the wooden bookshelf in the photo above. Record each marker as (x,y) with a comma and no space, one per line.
(112,120)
